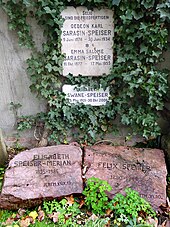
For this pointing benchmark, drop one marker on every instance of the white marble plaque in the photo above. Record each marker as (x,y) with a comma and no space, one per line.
(87,41)
(86,96)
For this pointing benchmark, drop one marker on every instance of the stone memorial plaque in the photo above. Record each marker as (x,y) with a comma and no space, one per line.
(46,172)
(86,95)
(143,170)
(87,41)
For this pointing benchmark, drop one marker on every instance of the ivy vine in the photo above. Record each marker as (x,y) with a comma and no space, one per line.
(137,85)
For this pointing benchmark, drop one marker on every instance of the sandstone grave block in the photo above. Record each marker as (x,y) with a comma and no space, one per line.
(42,173)
(143,170)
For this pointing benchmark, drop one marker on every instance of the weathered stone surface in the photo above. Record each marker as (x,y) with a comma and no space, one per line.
(3,150)
(143,170)
(46,172)
(14,81)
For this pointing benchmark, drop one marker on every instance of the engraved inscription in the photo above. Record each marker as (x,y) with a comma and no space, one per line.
(86,95)
(87,41)
(60,183)
(138,166)
(46,163)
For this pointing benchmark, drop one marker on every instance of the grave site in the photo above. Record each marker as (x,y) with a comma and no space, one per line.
(84,133)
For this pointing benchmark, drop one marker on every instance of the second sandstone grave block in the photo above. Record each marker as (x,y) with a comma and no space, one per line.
(143,170)
(47,172)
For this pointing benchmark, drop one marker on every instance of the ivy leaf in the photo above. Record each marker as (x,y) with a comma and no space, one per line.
(28,3)
(49,11)
(115,2)
(49,67)
(55,58)
(148,4)
(164,10)
(143,48)
(164,13)
(92,134)
(138,15)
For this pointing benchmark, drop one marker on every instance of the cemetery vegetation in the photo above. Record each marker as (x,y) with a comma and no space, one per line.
(2,172)
(127,210)
(137,86)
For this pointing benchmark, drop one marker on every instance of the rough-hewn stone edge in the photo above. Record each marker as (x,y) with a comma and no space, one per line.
(6,204)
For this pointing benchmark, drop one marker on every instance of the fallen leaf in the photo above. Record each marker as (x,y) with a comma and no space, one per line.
(112,82)
(152,221)
(108,224)
(142,214)
(25,223)
(165,207)
(21,212)
(41,215)
(70,200)
(13,215)
(93,217)
(67,216)
(108,211)
(17,217)
(81,203)
(33,214)
(9,221)
(84,144)
(54,216)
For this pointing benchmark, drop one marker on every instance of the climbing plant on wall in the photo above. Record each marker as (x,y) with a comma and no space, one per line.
(137,85)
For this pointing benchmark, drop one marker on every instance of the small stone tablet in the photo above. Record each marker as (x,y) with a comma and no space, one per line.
(143,170)
(86,95)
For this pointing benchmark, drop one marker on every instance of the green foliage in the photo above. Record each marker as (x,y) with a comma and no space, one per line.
(137,86)
(123,220)
(95,192)
(2,172)
(99,222)
(64,210)
(4,214)
(133,223)
(127,208)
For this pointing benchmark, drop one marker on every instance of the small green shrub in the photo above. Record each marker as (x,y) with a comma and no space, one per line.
(129,206)
(133,223)
(67,213)
(96,198)
(99,222)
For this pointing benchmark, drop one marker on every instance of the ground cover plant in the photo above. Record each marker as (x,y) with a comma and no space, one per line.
(77,211)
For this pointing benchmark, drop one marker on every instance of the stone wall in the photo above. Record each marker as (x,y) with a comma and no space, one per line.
(14,86)
(14,82)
